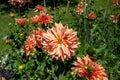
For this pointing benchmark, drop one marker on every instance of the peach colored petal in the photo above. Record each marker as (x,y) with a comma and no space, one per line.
(60,42)
(96,71)
(33,40)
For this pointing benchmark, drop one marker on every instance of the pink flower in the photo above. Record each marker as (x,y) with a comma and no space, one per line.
(33,40)
(44,19)
(115,18)
(7,41)
(30,44)
(40,8)
(38,37)
(19,3)
(81,6)
(60,42)
(79,9)
(11,14)
(92,15)
(89,69)
(29,1)
(21,21)
(116,2)
(35,19)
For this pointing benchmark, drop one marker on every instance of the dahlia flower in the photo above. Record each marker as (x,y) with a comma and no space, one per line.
(19,3)
(33,40)
(92,15)
(35,19)
(40,8)
(11,14)
(115,18)
(89,69)
(7,41)
(60,42)
(21,21)
(44,19)
(29,1)
(80,7)
(116,2)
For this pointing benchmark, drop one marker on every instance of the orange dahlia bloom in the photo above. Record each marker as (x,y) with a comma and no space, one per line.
(115,18)
(21,21)
(29,1)
(33,40)
(38,37)
(80,6)
(90,69)
(79,9)
(11,14)
(116,2)
(40,8)
(30,44)
(19,3)
(35,19)
(7,41)
(92,15)
(60,42)
(44,19)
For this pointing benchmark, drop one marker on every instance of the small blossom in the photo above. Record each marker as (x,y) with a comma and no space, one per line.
(44,19)
(29,1)
(30,44)
(33,40)
(115,18)
(19,3)
(89,69)
(2,78)
(38,37)
(3,60)
(11,14)
(21,21)
(7,41)
(35,19)
(79,9)
(116,2)
(40,8)
(82,5)
(92,15)
(60,42)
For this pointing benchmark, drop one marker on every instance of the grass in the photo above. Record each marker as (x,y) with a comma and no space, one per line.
(5,19)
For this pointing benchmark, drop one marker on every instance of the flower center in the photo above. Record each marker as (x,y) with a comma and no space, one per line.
(59,40)
(88,69)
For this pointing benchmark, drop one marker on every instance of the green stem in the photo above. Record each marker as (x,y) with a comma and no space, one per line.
(107,9)
(19,11)
(85,28)
(44,3)
(68,3)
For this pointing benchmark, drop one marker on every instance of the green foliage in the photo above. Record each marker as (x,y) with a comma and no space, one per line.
(99,38)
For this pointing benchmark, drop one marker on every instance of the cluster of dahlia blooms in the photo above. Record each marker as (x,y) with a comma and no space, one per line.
(81,6)
(21,21)
(85,67)
(42,18)
(59,41)
(19,3)
(33,40)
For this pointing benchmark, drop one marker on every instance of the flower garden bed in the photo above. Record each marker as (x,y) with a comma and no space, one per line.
(61,40)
